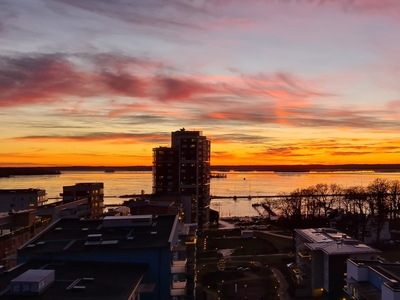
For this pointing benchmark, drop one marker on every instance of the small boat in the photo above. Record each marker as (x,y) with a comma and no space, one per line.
(109,170)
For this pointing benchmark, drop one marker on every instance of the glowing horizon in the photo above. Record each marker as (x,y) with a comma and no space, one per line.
(268,82)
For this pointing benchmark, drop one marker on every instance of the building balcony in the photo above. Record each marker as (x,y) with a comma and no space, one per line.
(179,266)
(178,289)
(305,255)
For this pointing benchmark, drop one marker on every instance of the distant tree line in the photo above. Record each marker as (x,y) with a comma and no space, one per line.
(379,200)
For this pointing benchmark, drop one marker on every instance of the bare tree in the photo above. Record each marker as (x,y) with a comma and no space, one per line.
(378,202)
(394,198)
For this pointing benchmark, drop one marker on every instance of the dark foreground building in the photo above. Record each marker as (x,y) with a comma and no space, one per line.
(148,240)
(63,280)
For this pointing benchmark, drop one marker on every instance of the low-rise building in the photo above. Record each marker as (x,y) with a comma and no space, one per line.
(373,279)
(57,210)
(65,280)
(321,255)
(16,229)
(93,191)
(21,199)
(143,239)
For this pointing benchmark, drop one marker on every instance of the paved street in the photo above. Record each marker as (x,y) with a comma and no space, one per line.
(283,285)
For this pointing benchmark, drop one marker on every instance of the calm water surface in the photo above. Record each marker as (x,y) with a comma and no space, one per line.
(236,184)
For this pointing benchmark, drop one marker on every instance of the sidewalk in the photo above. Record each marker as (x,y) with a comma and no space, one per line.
(283,285)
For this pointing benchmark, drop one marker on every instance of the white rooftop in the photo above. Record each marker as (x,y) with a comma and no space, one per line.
(32,275)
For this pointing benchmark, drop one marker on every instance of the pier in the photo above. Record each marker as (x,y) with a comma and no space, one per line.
(245,197)
(218,175)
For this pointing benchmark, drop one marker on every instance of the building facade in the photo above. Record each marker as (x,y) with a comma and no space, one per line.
(184,169)
(373,279)
(321,255)
(16,229)
(94,192)
(153,240)
(21,199)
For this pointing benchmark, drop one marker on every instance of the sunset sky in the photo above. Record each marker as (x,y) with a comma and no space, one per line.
(102,82)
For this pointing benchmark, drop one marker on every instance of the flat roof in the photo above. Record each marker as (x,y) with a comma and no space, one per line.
(333,242)
(335,248)
(71,235)
(315,235)
(95,277)
(13,191)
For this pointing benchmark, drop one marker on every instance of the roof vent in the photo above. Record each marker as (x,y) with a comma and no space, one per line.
(79,288)
(94,239)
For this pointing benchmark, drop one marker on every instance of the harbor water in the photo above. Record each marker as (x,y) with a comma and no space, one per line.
(248,187)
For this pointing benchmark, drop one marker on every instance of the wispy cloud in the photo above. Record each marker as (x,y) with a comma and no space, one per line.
(100,136)
(133,85)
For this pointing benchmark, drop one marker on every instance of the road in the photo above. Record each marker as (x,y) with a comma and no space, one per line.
(283,285)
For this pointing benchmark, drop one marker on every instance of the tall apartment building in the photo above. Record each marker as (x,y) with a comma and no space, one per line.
(94,192)
(184,169)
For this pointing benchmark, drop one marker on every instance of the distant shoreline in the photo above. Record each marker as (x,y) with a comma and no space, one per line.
(26,171)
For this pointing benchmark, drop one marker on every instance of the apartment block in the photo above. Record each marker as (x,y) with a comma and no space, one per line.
(16,229)
(372,279)
(321,256)
(21,199)
(65,280)
(184,169)
(94,192)
(152,240)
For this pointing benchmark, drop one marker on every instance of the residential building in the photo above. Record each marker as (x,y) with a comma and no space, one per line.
(373,279)
(184,169)
(94,192)
(144,239)
(321,255)
(21,199)
(71,280)
(149,207)
(119,211)
(57,210)
(16,229)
